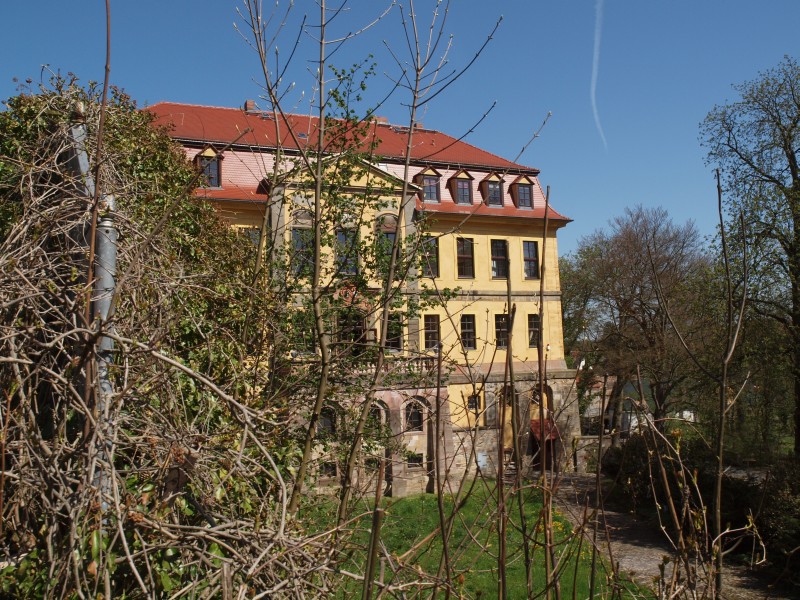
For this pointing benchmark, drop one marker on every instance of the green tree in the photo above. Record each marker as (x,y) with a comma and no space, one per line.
(755,140)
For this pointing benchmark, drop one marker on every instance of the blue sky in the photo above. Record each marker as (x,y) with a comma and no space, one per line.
(627,81)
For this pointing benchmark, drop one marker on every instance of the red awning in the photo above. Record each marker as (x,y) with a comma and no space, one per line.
(550,430)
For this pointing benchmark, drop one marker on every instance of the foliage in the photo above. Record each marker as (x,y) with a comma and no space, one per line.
(755,141)
(195,441)
(690,466)
(617,289)
(779,518)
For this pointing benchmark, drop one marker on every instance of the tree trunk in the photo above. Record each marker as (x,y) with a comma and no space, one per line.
(796,378)
(616,403)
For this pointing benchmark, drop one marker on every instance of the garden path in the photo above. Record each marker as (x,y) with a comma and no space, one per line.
(640,547)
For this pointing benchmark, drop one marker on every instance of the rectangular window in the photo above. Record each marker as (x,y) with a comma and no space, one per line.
(463,191)
(394,333)
(501,330)
(326,426)
(302,331)
(302,259)
(465,251)
(499,259)
(530,254)
(346,251)
(327,470)
(494,193)
(474,403)
(414,460)
(385,243)
(468,337)
(430,188)
(429,249)
(534,331)
(351,331)
(524,195)
(432,332)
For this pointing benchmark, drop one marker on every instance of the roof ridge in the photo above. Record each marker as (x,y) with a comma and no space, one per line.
(234,108)
(434,146)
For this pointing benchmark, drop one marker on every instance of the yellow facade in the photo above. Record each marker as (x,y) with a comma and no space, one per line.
(485,296)
(456,192)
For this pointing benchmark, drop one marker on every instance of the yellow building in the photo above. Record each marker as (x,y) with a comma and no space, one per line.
(478,228)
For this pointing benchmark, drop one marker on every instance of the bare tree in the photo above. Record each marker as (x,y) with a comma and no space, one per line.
(619,288)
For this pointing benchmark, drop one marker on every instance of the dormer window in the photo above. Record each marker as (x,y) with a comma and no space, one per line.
(460,186)
(494,193)
(430,188)
(524,196)
(209,163)
(522,192)
(492,190)
(463,191)
(428,180)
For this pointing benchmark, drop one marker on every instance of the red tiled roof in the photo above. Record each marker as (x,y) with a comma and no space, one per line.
(232,193)
(483,210)
(212,124)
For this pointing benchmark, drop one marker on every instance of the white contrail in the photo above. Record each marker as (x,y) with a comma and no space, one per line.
(598,30)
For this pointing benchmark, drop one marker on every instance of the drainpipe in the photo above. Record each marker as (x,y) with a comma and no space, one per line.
(105,268)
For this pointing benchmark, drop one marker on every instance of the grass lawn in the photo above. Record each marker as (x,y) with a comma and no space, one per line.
(473,545)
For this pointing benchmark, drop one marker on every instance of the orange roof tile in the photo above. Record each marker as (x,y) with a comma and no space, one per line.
(201,125)
(213,124)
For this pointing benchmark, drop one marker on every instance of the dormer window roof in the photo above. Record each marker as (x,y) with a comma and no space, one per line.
(428,179)
(492,190)
(209,161)
(460,186)
(522,192)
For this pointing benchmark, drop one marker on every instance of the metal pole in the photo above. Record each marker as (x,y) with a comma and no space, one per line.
(105,269)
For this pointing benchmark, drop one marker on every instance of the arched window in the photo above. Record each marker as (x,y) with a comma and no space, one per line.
(377,420)
(414,416)
(535,396)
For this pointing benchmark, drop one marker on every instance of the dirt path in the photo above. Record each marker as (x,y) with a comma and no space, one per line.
(640,547)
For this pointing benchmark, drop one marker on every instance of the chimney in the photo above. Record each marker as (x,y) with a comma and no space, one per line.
(249,105)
